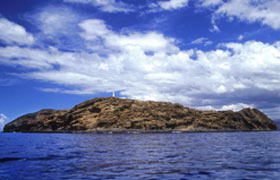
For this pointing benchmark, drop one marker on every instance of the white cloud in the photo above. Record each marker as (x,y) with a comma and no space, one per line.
(27,57)
(233,107)
(173,4)
(110,6)
(203,41)
(93,29)
(58,25)
(12,33)
(97,31)
(266,12)
(52,20)
(168,5)
(2,120)
(236,107)
(150,66)
(211,2)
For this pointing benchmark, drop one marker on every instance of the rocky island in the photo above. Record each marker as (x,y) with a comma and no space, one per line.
(125,115)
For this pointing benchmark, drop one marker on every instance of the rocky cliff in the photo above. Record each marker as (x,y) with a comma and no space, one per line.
(115,114)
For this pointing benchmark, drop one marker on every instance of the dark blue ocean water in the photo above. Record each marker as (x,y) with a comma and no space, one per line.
(242,155)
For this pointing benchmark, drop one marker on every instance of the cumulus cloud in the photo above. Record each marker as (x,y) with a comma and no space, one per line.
(52,20)
(233,107)
(150,66)
(265,12)
(168,5)
(236,107)
(110,6)
(2,120)
(202,40)
(98,33)
(12,33)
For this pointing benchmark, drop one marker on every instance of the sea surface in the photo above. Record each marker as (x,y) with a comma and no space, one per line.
(240,155)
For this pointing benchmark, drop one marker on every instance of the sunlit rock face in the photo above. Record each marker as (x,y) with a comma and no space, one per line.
(121,115)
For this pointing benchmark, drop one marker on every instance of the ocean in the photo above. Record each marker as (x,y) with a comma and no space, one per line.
(231,155)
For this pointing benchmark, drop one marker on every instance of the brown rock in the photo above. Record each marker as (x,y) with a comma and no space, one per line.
(115,114)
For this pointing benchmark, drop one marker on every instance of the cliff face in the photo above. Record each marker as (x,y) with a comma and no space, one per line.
(115,114)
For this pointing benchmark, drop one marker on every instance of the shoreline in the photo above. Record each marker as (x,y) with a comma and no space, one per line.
(135,131)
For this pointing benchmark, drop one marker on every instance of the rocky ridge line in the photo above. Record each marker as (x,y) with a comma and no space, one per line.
(121,115)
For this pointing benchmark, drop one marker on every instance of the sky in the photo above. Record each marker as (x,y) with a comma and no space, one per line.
(204,54)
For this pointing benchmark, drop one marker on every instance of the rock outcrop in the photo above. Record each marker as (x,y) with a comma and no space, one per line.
(120,115)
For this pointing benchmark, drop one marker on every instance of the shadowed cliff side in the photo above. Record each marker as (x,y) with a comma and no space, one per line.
(115,114)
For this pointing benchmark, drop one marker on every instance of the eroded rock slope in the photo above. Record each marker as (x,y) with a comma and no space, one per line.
(115,114)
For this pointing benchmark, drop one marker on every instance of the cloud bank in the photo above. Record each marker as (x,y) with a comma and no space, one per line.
(88,56)
(151,66)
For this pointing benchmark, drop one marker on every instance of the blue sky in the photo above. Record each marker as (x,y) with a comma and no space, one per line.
(205,54)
